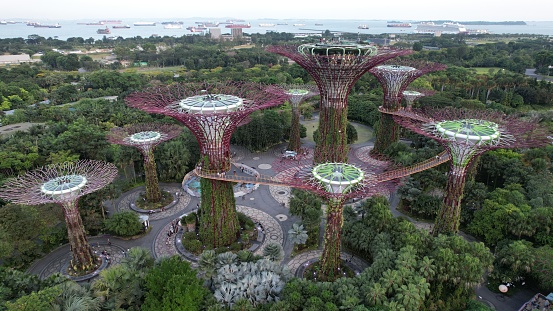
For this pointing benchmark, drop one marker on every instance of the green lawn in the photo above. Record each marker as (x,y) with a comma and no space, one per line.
(364,133)
(486,70)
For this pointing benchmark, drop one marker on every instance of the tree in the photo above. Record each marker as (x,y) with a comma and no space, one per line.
(124,224)
(514,261)
(172,285)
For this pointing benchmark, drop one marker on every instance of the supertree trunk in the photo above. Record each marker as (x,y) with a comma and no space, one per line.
(295,143)
(153,193)
(388,133)
(218,220)
(330,259)
(449,215)
(332,143)
(83,257)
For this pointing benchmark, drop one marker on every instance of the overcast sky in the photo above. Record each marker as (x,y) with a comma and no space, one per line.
(459,10)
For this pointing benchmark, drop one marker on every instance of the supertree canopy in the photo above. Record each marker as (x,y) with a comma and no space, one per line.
(466,134)
(298,93)
(411,96)
(64,184)
(211,112)
(335,67)
(395,77)
(146,137)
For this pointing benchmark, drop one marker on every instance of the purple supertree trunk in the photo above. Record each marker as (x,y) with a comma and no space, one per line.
(83,257)
(449,215)
(153,192)
(330,259)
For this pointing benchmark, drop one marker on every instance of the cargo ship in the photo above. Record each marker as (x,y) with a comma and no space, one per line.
(173,26)
(399,25)
(145,24)
(196,29)
(267,25)
(47,26)
(103,31)
(238,26)
(121,27)
(362,27)
(111,21)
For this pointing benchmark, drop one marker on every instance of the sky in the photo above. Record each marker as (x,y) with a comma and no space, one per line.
(460,10)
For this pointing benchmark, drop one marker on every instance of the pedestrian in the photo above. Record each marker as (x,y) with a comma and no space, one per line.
(109,242)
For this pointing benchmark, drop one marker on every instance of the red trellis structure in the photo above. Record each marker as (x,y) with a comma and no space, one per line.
(64,184)
(336,182)
(335,68)
(298,93)
(465,134)
(211,112)
(146,137)
(394,77)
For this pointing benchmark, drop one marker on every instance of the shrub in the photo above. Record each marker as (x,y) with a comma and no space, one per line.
(124,224)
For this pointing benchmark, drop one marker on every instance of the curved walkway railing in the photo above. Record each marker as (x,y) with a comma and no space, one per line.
(271,181)
(415,168)
(261,179)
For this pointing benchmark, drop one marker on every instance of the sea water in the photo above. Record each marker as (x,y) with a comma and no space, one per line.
(72,28)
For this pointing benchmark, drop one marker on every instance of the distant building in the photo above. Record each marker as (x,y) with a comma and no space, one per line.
(215,33)
(236,32)
(15,59)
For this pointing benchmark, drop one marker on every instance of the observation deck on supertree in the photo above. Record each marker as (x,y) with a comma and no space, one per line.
(211,112)
(145,137)
(64,184)
(394,79)
(297,94)
(335,67)
(465,134)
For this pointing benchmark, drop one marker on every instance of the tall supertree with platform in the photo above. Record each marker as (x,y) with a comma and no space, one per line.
(336,182)
(335,67)
(146,137)
(394,79)
(465,134)
(211,112)
(298,93)
(64,184)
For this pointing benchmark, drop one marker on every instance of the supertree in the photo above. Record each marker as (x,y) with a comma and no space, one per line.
(64,184)
(298,93)
(466,134)
(411,95)
(146,137)
(211,112)
(394,79)
(335,67)
(336,182)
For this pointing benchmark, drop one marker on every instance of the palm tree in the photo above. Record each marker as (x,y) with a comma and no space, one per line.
(75,297)
(207,265)
(297,235)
